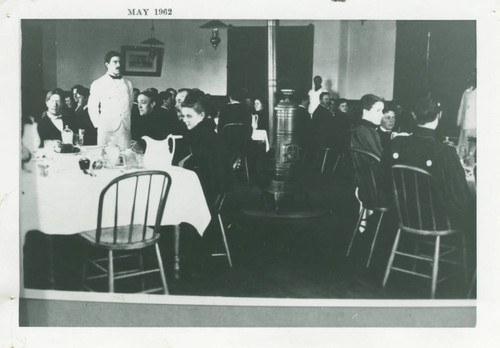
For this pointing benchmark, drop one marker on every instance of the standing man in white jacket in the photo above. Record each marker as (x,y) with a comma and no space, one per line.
(110,104)
(314,94)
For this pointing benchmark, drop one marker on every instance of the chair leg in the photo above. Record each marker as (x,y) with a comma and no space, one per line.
(336,163)
(224,239)
(464,259)
(391,258)
(374,239)
(162,270)
(471,286)
(84,268)
(141,267)
(246,169)
(361,212)
(111,274)
(435,268)
(324,161)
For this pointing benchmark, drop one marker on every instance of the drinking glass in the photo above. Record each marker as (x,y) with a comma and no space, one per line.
(81,137)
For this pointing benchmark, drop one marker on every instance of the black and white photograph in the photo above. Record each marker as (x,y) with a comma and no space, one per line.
(265,170)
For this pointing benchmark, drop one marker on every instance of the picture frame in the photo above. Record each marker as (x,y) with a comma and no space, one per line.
(141,60)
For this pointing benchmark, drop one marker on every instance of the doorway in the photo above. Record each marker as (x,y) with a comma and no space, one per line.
(247,58)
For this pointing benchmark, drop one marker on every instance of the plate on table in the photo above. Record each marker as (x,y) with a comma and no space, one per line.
(66,149)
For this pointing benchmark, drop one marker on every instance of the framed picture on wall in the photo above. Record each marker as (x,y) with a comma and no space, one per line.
(142,60)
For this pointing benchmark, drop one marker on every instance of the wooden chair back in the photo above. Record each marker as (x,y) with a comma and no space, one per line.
(235,138)
(418,209)
(146,206)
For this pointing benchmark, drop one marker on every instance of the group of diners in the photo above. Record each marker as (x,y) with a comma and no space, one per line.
(419,148)
(194,115)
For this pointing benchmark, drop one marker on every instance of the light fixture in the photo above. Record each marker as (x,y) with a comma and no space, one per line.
(152,41)
(215,25)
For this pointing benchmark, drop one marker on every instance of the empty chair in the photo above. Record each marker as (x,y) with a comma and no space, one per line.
(329,158)
(219,204)
(235,136)
(365,168)
(422,215)
(132,204)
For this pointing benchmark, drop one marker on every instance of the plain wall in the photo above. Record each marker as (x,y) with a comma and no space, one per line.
(353,57)
(369,51)
(189,59)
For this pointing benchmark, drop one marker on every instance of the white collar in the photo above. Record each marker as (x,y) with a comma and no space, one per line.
(54,117)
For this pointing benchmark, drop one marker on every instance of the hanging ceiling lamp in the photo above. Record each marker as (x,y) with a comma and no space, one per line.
(215,25)
(152,42)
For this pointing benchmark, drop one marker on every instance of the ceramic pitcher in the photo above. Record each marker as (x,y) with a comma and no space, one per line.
(159,154)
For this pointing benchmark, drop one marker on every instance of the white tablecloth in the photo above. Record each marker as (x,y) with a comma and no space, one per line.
(65,202)
(261,135)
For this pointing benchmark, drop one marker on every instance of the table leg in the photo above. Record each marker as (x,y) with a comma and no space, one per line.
(51,271)
(177,265)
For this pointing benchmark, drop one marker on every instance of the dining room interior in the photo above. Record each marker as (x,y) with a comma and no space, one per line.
(303,209)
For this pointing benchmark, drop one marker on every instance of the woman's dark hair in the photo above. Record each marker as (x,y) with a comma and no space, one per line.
(262,101)
(81,90)
(171,91)
(149,94)
(389,107)
(238,94)
(426,110)
(196,100)
(368,100)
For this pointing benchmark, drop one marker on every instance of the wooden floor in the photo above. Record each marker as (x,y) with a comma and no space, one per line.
(271,258)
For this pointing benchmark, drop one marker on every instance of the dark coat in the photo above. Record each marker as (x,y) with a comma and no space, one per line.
(235,113)
(322,127)
(385,139)
(209,159)
(157,125)
(263,122)
(47,130)
(82,121)
(422,150)
(364,136)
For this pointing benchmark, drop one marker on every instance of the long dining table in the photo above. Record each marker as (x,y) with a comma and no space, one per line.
(63,200)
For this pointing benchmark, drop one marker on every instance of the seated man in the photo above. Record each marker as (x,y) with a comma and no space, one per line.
(235,112)
(386,127)
(167,110)
(54,120)
(151,121)
(322,123)
(303,120)
(422,150)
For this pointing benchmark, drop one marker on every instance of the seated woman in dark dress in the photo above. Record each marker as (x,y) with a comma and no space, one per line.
(208,158)
(81,114)
(364,136)
(260,109)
